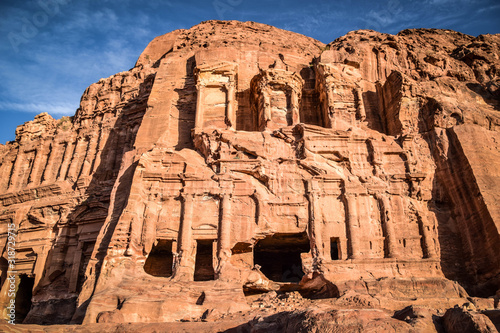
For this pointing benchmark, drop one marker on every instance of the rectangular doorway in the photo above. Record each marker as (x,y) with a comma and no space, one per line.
(335,248)
(204,268)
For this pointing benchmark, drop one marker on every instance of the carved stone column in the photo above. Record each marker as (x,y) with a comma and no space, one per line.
(16,170)
(57,257)
(315,225)
(325,88)
(224,246)
(135,246)
(35,166)
(41,258)
(77,258)
(103,138)
(266,104)
(427,239)
(198,123)
(225,221)
(77,160)
(353,225)
(49,173)
(295,107)
(360,106)
(429,250)
(39,169)
(388,226)
(231,109)
(89,157)
(185,268)
(65,161)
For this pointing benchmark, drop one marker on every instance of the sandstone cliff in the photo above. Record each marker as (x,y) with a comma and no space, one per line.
(236,159)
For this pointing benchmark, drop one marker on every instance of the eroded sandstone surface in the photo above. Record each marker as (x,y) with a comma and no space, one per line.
(237,160)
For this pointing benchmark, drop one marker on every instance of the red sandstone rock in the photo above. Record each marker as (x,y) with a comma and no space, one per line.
(460,320)
(238,158)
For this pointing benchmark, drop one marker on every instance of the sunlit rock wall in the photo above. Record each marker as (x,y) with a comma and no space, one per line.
(237,158)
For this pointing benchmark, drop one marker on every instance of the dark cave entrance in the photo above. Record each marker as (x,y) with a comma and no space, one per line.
(279,256)
(204,267)
(160,259)
(23,297)
(334,249)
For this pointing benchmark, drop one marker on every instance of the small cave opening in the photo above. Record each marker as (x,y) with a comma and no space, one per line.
(279,256)
(204,267)
(160,259)
(334,249)
(23,297)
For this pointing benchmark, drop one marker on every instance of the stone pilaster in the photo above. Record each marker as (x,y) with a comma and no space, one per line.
(68,152)
(185,267)
(49,173)
(427,240)
(41,258)
(295,107)
(353,225)
(16,170)
(77,160)
(224,246)
(231,107)
(77,258)
(198,122)
(388,226)
(89,157)
(315,222)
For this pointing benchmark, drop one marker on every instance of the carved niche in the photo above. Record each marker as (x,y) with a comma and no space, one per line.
(216,99)
(276,97)
(341,101)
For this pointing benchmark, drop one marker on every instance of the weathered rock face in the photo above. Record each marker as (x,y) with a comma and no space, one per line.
(237,158)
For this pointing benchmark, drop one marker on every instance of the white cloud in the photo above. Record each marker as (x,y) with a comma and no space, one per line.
(52,70)
(56,109)
(82,20)
(488,9)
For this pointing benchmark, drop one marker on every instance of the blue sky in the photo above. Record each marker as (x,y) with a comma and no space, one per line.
(51,50)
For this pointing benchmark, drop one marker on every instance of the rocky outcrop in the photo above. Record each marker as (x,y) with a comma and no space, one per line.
(237,158)
(460,320)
